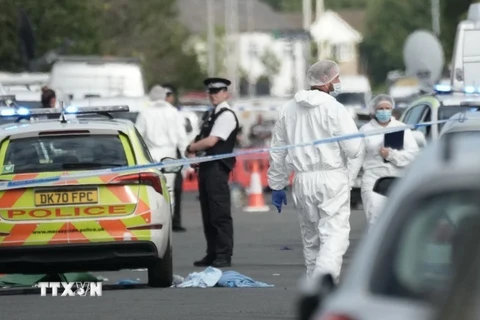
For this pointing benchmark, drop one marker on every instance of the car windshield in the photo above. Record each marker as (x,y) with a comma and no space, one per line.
(428,246)
(64,153)
(446,112)
(351,99)
(30,104)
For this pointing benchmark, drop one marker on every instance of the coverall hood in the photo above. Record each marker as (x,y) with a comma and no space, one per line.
(312,98)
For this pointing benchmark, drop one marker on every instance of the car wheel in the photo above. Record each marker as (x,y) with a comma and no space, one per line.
(160,273)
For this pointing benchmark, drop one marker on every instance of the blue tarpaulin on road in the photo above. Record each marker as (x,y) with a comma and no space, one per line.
(212,277)
(233,279)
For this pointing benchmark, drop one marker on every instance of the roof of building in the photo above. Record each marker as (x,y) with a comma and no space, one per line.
(356,18)
(193,14)
(330,27)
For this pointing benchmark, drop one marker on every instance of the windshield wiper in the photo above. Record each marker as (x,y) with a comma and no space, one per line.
(73,165)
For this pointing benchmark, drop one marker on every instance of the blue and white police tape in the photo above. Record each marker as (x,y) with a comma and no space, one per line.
(18,184)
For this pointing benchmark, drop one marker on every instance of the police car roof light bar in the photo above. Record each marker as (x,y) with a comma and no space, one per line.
(24,113)
(7,97)
(446,89)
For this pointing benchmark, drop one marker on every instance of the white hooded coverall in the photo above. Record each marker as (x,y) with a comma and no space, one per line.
(374,167)
(162,127)
(321,188)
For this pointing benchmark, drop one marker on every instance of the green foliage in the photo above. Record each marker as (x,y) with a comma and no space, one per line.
(147,29)
(453,11)
(220,51)
(390,22)
(271,63)
(53,22)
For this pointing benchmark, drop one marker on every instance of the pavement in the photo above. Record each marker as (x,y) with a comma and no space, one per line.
(267,248)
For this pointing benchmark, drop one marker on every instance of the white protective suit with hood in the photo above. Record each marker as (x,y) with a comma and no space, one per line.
(162,127)
(374,167)
(321,188)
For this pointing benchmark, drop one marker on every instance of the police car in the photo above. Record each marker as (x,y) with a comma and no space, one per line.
(465,123)
(408,258)
(121,220)
(441,104)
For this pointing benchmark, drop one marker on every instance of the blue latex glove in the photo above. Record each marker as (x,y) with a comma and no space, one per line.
(279,196)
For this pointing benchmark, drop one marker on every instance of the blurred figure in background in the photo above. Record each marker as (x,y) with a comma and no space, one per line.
(378,161)
(49,98)
(260,134)
(178,188)
(396,113)
(162,127)
(240,143)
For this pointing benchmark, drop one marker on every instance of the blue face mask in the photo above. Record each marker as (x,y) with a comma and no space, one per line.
(383,115)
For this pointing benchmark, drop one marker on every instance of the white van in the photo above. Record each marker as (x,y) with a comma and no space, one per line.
(466,54)
(356,92)
(101,77)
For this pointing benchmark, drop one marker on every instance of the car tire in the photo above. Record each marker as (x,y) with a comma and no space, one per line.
(160,273)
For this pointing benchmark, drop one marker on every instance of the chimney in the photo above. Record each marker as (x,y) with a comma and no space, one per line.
(307,14)
(319,9)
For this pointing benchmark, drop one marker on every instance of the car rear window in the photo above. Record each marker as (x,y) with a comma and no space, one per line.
(446,112)
(64,153)
(428,247)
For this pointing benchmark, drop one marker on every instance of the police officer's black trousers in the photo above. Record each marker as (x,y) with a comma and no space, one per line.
(177,191)
(216,209)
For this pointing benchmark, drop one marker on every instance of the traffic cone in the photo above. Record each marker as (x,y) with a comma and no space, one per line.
(256,202)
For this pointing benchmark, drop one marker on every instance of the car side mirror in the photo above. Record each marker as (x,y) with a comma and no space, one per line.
(313,295)
(383,185)
(172,169)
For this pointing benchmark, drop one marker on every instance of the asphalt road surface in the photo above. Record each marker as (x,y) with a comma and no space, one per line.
(267,248)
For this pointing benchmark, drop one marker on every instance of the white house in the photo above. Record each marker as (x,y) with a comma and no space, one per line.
(336,38)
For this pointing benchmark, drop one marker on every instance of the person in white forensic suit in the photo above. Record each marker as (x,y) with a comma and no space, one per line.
(321,187)
(378,161)
(162,127)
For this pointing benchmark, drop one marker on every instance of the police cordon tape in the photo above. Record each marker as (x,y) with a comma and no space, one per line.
(19,184)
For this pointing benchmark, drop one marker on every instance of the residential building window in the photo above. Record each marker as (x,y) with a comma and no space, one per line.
(343,52)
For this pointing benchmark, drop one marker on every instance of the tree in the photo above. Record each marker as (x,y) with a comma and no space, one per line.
(271,63)
(201,49)
(453,11)
(52,22)
(390,22)
(150,30)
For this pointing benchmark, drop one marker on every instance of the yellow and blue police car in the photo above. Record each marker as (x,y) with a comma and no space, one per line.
(117,220)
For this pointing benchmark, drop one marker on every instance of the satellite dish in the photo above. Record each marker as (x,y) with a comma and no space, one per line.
(423,57)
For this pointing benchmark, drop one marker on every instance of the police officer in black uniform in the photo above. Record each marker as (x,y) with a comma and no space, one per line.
(218,135)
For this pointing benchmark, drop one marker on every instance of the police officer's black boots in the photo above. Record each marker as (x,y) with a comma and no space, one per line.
(221,262)
(178,229)
(206,261)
